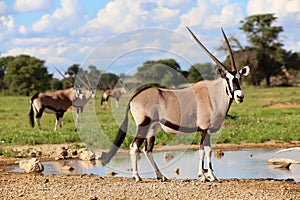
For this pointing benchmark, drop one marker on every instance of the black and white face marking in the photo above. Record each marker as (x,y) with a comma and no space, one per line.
(78,93)
(93,93)
(233,84)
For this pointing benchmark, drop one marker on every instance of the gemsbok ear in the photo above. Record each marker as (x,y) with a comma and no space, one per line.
(245,71)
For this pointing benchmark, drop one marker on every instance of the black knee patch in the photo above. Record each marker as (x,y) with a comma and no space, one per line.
(149,144)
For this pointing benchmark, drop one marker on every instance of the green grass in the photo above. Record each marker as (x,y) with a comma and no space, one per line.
(249,122)
(254,121)
(15,128)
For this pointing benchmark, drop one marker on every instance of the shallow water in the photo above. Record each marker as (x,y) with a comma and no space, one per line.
(248,163)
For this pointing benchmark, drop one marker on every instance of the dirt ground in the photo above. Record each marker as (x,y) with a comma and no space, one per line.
(39,186)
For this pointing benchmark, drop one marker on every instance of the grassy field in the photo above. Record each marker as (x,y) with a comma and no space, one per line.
(266,114)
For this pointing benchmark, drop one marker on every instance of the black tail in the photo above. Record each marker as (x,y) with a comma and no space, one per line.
(31,113)
(31,117)
(106,157)
(102,99)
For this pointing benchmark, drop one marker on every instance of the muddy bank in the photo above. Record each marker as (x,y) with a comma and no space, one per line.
(37,186)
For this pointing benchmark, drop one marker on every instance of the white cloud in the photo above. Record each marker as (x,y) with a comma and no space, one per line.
(7,22)
(231,15)
(32,5)
(281,8)
(212,14)
(163,15)
(55,54)
(293,6)
(177,4)
(195,16)
(120,16)
(22,29)
(3,7)
(7,25)
(64,19)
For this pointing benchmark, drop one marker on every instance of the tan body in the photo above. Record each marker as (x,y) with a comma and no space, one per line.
(189,109)
(58,102)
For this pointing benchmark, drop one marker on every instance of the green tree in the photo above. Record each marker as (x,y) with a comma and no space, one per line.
(89,77)
(108,81)
(264,38)
(56,84)
(26,75)
(249,57)
(165,72)
(93,75)
(198,72)
(3,67)
(72,71)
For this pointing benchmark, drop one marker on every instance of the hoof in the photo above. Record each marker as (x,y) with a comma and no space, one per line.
(203,179)
(162,179)
(102,159)
(137,179)
(213,180)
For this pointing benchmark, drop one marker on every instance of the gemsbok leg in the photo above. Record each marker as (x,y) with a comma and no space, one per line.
(205,149)
(134,150)
(148,152)
(117,102)
(38,117)
(59,117)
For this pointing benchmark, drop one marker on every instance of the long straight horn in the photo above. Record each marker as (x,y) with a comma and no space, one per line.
(88,80)
(84,83)
(63,76)
(221,66)
(233,67)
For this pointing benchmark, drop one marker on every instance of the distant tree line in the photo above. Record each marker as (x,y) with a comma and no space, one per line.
(25,75)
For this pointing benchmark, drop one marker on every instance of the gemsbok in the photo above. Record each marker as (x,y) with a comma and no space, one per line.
(79,103)
(201,107)
(58,102)
(114,93)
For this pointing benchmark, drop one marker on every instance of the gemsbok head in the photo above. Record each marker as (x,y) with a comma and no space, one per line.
(202,107)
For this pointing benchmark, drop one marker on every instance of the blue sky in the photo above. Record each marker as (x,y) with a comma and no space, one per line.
(65,32)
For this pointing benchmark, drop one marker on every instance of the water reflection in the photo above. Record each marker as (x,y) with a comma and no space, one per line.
(249,163)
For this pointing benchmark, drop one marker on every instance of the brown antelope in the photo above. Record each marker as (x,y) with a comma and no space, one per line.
(58,102)
(115,93)
(201,107)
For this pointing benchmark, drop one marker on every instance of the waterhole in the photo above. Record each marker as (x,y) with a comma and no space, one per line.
(247,163)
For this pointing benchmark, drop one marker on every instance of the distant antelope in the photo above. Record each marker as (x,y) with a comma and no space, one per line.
(58,102)
(115,93)
(79,104)
(201,107)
